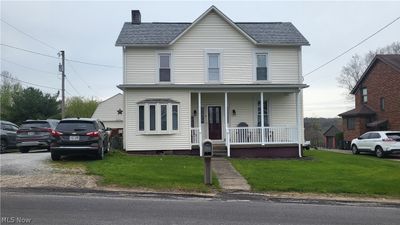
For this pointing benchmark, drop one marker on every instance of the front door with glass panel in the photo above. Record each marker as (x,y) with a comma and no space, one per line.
(214,123)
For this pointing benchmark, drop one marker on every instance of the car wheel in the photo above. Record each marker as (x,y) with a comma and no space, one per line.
(55,156)
(379,152)
(100,153)
(3,146)
(24,150)
(354,150)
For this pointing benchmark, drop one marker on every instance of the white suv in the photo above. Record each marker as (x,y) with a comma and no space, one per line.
(380,142)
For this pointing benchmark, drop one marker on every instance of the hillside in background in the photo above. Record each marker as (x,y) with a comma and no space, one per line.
(315,127)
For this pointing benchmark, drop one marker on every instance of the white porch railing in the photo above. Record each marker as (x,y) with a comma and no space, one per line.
(253,135)
(194,136)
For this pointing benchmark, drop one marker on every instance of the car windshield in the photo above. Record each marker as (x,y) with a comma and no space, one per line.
(36,124)
(394,136)
(75,126)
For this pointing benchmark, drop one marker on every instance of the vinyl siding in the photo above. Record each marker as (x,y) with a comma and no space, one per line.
(136,141)
(189,57)
(106,111)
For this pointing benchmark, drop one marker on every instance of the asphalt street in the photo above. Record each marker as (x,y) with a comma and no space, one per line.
(92,208)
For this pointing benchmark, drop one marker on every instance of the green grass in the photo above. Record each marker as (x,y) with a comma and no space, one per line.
(183,173)
(323,172)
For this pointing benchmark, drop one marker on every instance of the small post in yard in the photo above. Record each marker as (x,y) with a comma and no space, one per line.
(207,171)
(207,155)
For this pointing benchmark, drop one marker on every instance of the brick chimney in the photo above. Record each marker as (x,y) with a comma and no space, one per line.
(136,18)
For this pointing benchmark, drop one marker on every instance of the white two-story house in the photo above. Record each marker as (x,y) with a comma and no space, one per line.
(237,84)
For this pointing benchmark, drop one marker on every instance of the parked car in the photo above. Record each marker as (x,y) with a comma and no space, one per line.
(35,134)
(80,136)
(8,135)
(379,142)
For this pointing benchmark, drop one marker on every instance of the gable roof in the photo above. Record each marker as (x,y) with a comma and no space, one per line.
(164,34)
(332,131)
(392,60)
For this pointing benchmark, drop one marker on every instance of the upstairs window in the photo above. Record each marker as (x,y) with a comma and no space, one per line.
(261,66)
(165,67)
(213,67)
(364,95)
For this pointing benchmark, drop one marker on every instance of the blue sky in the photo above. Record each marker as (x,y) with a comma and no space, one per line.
(87,31)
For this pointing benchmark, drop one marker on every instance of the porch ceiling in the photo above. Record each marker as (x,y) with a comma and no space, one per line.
(220,87)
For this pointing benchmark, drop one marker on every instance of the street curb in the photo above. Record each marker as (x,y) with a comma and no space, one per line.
(227,196)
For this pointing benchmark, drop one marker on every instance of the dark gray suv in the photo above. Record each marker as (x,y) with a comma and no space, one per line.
(35,134)
(80,136)
(8,135)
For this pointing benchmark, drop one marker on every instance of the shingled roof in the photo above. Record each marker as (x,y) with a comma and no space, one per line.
(163,34)
(392,60)
(364,110)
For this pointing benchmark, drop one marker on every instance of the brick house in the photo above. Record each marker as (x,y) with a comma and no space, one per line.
(377,98)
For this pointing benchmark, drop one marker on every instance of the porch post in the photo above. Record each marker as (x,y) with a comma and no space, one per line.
(298,122)
(262,118)
(227,134)
(199,123)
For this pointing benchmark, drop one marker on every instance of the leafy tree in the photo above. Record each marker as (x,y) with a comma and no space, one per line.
(354,69)
(9,87)
(32,103)
(80,107)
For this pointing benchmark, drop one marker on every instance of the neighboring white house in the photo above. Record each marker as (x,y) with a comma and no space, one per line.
(213,72)
(111,112)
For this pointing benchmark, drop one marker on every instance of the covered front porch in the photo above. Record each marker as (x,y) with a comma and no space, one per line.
(237,119)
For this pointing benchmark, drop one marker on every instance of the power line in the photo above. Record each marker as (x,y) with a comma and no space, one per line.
(26,50)
(72,86)
(93,64)
(71,60)
(15,28)
(80,77)
(362,41)
(26,82)
(27,67)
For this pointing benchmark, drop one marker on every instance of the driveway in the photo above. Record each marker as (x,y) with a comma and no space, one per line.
(34,169)
(393,157)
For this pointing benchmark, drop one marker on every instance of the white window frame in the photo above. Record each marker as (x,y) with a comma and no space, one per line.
(364,96)
(171,65)
(158,130)
(268,54)
(268,111)
(206,63)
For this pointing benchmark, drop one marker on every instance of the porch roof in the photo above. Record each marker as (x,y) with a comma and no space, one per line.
(220,87)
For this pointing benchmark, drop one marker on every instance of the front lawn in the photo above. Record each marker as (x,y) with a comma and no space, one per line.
(156,172)
(323,172)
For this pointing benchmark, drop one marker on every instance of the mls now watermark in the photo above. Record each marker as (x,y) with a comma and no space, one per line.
(15,219)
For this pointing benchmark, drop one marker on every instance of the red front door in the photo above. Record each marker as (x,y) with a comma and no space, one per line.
(214,123)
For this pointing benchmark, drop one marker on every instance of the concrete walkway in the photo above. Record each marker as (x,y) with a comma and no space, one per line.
(228,177)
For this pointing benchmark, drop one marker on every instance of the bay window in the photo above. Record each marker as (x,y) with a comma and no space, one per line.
(158,117)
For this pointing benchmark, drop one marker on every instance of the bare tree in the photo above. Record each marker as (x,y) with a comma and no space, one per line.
(354,69)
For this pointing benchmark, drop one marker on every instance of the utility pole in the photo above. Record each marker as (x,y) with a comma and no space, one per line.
(62,69)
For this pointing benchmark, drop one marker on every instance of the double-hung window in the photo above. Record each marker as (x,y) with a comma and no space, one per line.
(158,117)
(213,67)
(261,66)
(164,71)
(364,95)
